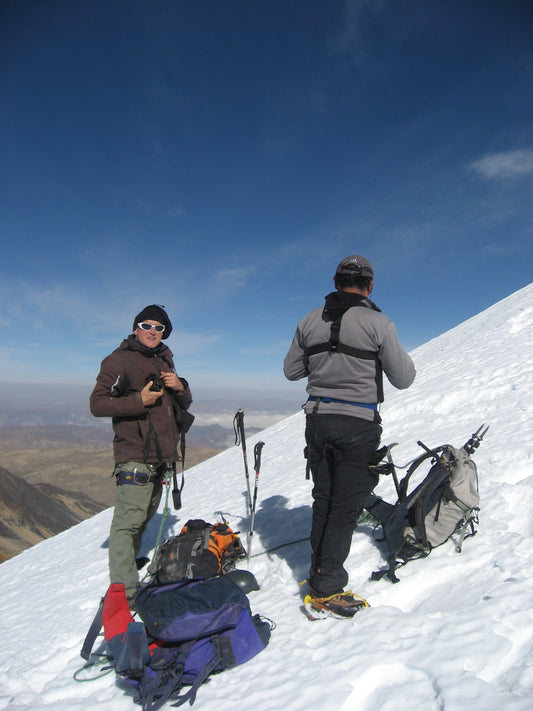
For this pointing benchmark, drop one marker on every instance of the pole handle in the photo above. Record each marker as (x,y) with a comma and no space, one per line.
(257,456)
(238,428)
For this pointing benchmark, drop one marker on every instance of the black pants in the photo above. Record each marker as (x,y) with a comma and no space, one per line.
(339,448)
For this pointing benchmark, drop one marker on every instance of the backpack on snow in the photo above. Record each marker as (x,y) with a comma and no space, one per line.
(445,502)
(201,550)
(190,629)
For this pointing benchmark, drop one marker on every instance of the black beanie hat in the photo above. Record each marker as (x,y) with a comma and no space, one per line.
(154,313)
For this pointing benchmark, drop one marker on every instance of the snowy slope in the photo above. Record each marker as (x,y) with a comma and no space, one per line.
(457,631)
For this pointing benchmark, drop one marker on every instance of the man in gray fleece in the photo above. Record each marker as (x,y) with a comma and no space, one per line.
(343,350)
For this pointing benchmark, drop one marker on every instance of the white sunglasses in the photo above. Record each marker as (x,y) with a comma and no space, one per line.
(148,327)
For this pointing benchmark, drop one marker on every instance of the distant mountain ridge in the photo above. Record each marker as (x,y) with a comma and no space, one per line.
(20,430)
(54,476)
(56,462)
(30,513)
(32,436)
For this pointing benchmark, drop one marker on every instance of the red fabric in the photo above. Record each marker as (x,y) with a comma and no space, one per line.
(116,615)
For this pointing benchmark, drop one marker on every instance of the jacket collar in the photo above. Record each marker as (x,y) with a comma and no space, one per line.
(132,344)
(338,302)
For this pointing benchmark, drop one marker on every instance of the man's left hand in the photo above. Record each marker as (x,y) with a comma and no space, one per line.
(172,382)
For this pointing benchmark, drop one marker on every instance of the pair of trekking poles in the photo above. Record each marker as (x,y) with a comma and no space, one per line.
(240,438)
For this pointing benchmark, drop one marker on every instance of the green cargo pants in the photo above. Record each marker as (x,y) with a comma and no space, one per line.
(135,506)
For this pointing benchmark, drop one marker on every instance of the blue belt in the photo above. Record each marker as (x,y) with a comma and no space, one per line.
(368,405)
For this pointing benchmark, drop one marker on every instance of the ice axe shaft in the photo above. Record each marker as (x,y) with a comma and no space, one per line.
(393,468)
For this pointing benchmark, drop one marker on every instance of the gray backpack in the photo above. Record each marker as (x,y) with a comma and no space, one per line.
(446,502)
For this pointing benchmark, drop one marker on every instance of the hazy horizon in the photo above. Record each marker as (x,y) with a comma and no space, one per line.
(210,405)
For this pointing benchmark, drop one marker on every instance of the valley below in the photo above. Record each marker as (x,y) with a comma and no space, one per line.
(54,476)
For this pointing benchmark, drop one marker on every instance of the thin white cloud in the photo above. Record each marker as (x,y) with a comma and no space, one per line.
(502,249)
(504,165)
(184,344)
(350,36)
(176,211)
(275,348)
(100,320)
(364,23)
(233,278)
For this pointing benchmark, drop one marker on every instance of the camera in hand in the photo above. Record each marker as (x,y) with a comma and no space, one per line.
(157,383)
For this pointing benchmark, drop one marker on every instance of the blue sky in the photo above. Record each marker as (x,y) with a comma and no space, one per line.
(221,158)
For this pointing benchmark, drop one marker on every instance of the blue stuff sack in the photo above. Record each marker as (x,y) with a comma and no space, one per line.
(195,628)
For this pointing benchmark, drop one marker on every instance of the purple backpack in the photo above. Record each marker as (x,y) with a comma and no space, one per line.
(193,628)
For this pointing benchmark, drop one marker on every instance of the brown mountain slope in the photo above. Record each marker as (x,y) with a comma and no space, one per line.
(70,466)
(29,514)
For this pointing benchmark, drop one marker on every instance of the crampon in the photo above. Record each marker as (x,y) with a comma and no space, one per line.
(341,606)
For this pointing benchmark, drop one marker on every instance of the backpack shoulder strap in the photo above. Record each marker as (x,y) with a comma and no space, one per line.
(334,345)
(450,496)
(156,689)
(94,631)
(223,657)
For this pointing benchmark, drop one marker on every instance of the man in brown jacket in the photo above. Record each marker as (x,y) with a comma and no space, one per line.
(139,389)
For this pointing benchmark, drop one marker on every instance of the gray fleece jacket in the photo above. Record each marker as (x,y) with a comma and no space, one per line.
(340,376)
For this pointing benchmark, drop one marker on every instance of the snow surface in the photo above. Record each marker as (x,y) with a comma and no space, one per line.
(456,632)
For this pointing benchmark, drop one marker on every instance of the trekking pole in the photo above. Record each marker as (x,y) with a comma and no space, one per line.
(240,438)
(257,466)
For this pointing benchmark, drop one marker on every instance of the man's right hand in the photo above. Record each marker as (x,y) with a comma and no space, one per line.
(150,397)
